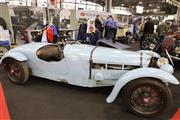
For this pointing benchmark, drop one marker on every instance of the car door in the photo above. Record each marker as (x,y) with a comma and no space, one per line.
(54,67)
(47,61)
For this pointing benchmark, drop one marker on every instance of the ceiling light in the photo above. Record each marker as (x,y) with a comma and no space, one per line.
(139,9)
(140,3)
(150,4)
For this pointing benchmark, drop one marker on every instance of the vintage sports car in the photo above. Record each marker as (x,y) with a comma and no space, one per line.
(142,77)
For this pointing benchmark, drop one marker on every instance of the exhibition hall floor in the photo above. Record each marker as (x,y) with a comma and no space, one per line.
(41,99)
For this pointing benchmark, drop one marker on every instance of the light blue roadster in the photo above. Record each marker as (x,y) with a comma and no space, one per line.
(142,77)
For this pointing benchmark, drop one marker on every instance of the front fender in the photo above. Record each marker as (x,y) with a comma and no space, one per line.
(140,73)
(15,55)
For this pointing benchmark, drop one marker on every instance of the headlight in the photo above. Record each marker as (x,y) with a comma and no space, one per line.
(152,46)
(177,50)
(162,61)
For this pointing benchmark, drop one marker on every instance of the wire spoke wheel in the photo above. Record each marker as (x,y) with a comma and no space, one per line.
(18,72)
(147,97)
(14,70)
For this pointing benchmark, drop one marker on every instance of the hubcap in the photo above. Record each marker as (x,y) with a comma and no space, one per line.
(13,71)
(147,99)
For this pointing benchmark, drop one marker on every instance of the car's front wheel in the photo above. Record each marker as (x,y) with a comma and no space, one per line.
(147,97)
(17,71)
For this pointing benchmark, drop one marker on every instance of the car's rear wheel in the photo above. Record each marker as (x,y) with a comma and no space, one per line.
(147,97)
(17,71)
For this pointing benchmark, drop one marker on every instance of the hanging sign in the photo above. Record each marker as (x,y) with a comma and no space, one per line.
(139,9)
(91,14)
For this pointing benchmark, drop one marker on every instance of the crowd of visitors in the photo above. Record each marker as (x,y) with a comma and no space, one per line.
(107,28)
(147,29)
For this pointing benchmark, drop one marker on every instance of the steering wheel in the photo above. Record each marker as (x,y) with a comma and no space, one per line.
(60,53)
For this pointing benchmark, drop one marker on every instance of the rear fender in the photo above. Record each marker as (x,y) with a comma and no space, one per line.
(15,55)
(140,73)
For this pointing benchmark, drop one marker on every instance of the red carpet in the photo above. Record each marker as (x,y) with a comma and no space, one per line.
(177,115)
(4,114)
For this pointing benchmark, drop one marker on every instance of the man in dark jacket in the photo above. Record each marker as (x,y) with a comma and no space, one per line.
(149,27)
(98,25)
(162,29)
(148,30)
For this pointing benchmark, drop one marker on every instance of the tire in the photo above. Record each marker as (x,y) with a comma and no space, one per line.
(147,97)
(18,72)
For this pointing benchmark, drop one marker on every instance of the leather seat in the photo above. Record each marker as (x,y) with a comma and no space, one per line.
(49,53)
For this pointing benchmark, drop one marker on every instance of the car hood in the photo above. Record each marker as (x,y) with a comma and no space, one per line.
(107,55)
(99,55)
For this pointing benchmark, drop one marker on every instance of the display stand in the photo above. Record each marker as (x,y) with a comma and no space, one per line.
(30,32)
(30,36)
(64,31)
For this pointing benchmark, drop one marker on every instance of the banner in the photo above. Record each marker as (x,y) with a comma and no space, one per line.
(91,15)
